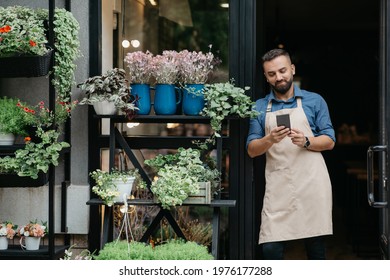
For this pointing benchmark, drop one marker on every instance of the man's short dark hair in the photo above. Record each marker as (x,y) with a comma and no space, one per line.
(270,55)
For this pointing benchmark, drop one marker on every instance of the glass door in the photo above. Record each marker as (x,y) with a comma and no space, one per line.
(377,156)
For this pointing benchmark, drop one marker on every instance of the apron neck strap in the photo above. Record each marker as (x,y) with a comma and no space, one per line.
(269,106)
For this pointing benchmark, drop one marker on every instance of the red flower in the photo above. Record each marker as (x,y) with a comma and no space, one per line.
(27,139)
(5,29)
(32,43)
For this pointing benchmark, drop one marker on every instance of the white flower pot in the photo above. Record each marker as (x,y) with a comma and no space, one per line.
(124,188)
(105,108)
(3,243)
(31,243)
(7,139)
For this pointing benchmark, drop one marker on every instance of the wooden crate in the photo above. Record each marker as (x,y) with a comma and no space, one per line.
(203,197)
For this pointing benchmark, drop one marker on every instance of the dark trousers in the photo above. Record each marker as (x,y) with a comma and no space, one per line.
(315,249)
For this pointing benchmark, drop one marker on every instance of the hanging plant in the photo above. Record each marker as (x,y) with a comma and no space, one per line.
(23,33)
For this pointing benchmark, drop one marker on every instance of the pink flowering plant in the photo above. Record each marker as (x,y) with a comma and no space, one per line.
(166,67)
(196,67)
(33,228)
(8,229)
(139,65)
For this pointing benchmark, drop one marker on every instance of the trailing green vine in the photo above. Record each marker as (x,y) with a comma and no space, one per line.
(66,45)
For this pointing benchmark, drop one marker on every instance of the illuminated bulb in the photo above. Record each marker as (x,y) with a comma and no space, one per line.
(125,43)
(172,125)
(135,43)
(225,5)
(130,125)
(153,2)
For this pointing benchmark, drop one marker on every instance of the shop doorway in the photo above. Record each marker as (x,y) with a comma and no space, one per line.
(335,47)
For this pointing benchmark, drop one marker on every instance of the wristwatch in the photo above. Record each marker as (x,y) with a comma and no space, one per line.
(307,143)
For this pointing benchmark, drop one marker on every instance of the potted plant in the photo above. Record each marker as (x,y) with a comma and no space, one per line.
(13,121)
(24,49)
(224,100)
(32,233)
(35,157)
(7,231)
(170,250)
(108,93)
(165,71)
(139,65)
(109,185)
(180,175)
(195,71)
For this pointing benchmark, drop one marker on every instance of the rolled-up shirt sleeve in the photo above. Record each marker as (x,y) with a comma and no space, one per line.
(323,124)
(256,126)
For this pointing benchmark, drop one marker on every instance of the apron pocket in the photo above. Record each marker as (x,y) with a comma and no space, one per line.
(280,195)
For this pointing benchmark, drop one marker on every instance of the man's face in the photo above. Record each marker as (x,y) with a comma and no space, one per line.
(279,73)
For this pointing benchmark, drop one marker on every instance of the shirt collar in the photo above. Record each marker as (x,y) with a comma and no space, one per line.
(297,93)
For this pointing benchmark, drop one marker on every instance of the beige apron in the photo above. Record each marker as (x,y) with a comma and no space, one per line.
(298,195)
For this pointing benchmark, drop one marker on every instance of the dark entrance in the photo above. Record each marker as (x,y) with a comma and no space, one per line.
(335,47)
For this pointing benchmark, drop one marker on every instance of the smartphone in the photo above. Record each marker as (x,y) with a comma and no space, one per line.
(283,120)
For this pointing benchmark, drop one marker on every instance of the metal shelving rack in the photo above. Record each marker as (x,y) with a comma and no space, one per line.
(49,250)
(137,142)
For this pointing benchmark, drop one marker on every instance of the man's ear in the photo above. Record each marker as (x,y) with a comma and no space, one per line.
(293,69)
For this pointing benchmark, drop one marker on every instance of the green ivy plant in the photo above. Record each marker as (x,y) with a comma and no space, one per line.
(179,174)
(105,186)
(35,157)
(223,100)
(66,45)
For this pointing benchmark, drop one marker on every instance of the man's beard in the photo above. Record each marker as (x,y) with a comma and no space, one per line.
(282,88)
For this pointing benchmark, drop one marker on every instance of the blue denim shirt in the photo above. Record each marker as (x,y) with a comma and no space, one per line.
(313,104)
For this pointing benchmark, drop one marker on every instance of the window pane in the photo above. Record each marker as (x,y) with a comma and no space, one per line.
(158,25)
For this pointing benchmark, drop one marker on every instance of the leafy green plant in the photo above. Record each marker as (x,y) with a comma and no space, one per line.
(40,115)
(105,186)
(111,86)
(178,175)
(12,118)
(171,250)
(67,46)
(223,100)
(23,32)
(35,157)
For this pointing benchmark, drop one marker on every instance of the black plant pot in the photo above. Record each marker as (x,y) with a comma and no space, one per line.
(25,66)
(13,180)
